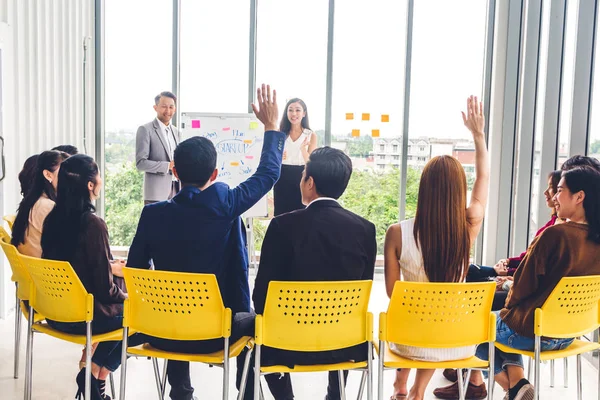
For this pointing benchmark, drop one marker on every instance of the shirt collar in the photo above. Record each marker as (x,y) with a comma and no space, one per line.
(162,126)
(322,198)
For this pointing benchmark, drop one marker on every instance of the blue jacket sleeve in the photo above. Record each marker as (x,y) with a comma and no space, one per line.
(248,193)
(139,252)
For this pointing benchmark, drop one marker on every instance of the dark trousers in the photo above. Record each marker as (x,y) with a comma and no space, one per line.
(281,388)
(178,372)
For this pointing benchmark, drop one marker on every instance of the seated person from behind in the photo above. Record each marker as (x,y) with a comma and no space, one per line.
(568,249)
(200,231)
(323,242)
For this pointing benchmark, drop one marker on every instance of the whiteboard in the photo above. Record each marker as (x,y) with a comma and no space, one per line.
(238,139)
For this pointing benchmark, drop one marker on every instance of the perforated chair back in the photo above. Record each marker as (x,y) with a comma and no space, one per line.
(316,316)
(175,305)
(10,220)
(439,315)
(571,310)
(19,273)
(57,293)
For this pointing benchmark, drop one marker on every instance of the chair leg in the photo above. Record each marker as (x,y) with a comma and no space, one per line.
(123,363)
(257,390)
(17,334)
(226,369)
(29,356)
(461,386)
(164,378)
(342,385)
(579,387)
(88,360)
(537,366)
(551,373)
(491,361)
(380,363)
(566,373)
(262,395)
(112,386)
(361,388)
(370,372)
(157,378)
(466,382)
(242,390)
(529,368)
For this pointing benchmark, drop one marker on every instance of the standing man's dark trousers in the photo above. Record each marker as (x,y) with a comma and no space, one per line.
(178,372)
(175,188)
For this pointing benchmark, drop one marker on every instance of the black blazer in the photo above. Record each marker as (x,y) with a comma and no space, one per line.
(323,242)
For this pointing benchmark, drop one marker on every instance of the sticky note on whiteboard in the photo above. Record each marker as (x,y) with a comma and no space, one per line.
(385,118)
(355,132)
(349,116)
(234,163)
(227,128)
(366,116)
(375,132)
(248,141)
(253,125)
(195,124)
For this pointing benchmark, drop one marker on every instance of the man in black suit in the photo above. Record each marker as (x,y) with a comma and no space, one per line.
(323,242)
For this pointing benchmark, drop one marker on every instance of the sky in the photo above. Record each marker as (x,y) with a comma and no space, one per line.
(368,61)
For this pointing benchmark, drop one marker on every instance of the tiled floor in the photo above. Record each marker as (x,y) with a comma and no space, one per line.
(55,367)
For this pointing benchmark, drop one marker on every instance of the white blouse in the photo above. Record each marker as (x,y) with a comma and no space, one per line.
(292,153)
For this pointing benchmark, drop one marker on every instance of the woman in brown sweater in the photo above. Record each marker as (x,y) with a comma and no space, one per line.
(73,233)
(568,249)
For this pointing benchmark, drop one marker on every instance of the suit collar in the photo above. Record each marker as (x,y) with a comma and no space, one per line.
(323,203)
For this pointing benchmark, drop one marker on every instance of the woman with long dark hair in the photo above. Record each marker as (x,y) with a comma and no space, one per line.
(37,202)
(300,142)
(73,233)
(27,174)
(435,245)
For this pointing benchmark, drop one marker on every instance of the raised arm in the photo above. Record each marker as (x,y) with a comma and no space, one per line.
(249,192)
(308,146)
(475,121)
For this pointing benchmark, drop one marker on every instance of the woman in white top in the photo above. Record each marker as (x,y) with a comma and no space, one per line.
(434,246)
(37,204)
(300,142)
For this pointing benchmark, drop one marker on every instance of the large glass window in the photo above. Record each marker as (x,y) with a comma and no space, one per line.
(594,133)
(368,96)
(138,54)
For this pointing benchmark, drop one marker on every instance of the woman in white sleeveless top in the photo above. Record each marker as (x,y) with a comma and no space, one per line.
(300,142)
(434,246)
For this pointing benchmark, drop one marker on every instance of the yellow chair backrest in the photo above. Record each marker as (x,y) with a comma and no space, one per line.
(439,315)
(10,220)
(19,273)
(57,292)
(571,310)
(316,316)
(175,305)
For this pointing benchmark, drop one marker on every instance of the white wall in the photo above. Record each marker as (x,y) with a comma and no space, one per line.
(42,45)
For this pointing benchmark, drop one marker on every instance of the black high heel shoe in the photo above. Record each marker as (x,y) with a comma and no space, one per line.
(95,390)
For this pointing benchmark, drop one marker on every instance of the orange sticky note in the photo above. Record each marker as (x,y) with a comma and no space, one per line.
(355,132)
(366,116)
(234,163)
(375,132)
(248,141)
(349,116)
(385,118)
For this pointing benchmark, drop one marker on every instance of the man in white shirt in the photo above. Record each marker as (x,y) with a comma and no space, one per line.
(155,143)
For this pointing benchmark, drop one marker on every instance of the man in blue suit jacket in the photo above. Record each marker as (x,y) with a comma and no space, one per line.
(200,230)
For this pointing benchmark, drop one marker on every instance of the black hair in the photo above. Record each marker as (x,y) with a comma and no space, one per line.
(165,94)
(587,179)
(27,174)
(285,126)
(67,148)
(195,160)
(50,161)
(554,177)
(63,226)
(581,161)
(330,169)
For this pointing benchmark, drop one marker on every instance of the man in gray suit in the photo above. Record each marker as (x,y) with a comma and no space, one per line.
(155,143)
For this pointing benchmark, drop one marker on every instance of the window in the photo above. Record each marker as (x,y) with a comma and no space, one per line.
(382,147)
(396,158)
(422,149)
(395,148)
(382,157)
(134,81)
(594,133)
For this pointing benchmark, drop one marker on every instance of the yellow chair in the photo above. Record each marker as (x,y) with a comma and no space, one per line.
(316,316)
(10,220)
(439,316)
(570,311)
(177,306)
(58,294)
(22,289)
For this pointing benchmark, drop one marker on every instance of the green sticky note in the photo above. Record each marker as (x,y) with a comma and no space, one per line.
(253,125)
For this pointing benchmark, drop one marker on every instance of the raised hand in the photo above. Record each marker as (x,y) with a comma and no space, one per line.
(266,110)
(474,119)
